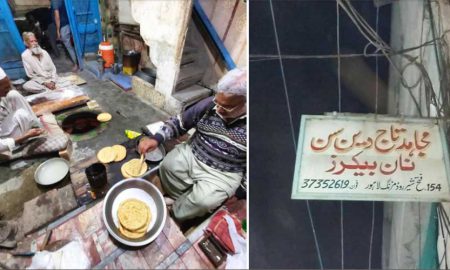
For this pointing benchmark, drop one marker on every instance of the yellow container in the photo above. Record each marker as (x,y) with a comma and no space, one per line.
(130,62)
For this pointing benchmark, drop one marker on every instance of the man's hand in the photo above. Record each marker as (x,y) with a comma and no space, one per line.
(30,134)
(33,132)
(58,35)
(50,85)
(147,144)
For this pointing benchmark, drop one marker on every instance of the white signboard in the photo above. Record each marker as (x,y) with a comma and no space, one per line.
(371,158)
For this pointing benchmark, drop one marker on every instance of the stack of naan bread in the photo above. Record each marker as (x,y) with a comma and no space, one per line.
(133,168)
(115,153)
(134,218)
(112,153)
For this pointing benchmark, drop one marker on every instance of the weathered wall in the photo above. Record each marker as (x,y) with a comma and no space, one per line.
(406,223)
(25,5)
(124,15)
(229,18)
(163,26)
(408,15)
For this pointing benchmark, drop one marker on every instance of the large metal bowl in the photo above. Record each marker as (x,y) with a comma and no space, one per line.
(140,189)
(51,171)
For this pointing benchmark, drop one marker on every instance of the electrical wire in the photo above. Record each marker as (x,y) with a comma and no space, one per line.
(316,242)
(441,105)
(338,46)
(443,225)
(261,57)
(367,31)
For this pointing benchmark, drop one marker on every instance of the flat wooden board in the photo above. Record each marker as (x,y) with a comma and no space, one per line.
(47,207)
(58,105)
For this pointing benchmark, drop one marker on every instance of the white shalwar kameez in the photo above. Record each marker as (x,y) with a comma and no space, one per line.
(16,118)
(39,70)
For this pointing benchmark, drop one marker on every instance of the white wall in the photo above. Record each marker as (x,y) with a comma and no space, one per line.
(163,27)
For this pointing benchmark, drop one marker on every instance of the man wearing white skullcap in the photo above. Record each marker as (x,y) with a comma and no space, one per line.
(207,170)
(16,117)
(38,66)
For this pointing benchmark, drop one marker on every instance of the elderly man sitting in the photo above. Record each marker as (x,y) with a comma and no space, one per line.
(16,117)
(38,66)
(204,172)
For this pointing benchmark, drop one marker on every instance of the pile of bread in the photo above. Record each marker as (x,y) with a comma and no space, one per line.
(116,153)
(134,218)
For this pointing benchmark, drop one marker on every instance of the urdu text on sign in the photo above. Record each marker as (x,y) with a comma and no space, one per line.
(368,158)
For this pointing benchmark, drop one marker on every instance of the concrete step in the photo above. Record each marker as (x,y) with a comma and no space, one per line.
(189,75)
(190,55)
(191,95)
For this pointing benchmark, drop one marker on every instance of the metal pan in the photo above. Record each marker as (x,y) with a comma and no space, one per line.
(136,188)
(51,171)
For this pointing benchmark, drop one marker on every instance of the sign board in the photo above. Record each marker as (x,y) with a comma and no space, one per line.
(371,158)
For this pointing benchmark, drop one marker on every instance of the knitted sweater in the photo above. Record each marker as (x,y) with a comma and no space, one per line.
(218,144)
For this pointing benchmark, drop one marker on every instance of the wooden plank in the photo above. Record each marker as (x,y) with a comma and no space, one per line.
(91,251)
(178,264)
(173,233)
(46,208)
(158,251)
(193,260)
(132,260)
(58,105)
(90,222)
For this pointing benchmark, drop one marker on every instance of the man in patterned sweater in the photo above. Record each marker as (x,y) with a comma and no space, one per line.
(205,171)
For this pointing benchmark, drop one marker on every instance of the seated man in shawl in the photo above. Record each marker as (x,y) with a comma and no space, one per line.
(16,117)
(201,174)
(38,66)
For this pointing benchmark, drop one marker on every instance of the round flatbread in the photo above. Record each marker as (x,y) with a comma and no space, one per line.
(145,227)
(106,155)
(104,117)
(132,167)
(130,234)
(121,152)
(124,173)
(133,214)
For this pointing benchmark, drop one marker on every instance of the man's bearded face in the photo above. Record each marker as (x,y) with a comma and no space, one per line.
(36,50)
(33,45)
